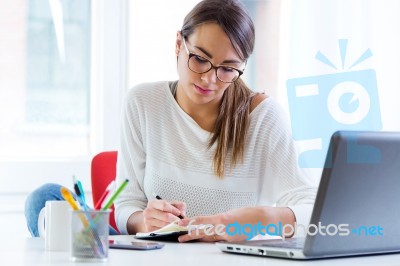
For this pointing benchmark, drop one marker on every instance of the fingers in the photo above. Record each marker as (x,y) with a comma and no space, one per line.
(165,206)
(186,222)
(181,206)
(160,213)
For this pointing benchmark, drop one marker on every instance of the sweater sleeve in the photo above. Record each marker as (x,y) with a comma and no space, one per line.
(285,183)
(130,164)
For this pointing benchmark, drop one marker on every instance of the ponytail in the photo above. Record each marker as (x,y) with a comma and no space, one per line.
(231,127)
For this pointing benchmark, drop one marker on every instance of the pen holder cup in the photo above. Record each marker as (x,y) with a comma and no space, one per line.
(89,235)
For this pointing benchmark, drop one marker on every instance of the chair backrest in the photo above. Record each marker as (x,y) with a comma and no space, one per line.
(103,171)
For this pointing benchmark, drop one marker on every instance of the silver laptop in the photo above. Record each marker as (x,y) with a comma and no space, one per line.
(359,191)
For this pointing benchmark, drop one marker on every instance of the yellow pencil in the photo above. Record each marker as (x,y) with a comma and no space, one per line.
(69,198)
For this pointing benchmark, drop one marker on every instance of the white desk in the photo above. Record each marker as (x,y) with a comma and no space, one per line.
(30,251)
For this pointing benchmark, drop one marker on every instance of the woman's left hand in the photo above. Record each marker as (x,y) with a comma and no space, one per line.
(214,227)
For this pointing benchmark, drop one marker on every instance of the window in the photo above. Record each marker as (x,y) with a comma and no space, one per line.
(62,80)
(46,73)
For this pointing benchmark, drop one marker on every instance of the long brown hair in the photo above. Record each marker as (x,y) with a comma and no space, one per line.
(231,127)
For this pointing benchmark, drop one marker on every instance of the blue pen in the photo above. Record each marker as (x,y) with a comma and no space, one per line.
(82,194)
(79,192)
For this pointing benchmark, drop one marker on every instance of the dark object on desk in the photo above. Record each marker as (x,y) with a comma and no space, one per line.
(358,202)
(170,232)
(170,237)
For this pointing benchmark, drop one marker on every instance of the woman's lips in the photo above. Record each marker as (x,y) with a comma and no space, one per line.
(202,90)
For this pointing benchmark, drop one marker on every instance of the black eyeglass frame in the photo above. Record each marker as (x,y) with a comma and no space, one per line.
(190,55)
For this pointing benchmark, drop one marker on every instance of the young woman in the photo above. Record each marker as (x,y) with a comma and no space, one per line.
(213,150)
(216,152)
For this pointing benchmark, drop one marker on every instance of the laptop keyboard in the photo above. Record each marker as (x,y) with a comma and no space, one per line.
(295,243)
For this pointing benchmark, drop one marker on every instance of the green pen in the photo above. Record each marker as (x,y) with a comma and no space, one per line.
(115,195)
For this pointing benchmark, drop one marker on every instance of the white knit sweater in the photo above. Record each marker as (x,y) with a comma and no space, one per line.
(164,151)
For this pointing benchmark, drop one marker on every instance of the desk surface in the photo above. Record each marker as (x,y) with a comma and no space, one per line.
(30,251)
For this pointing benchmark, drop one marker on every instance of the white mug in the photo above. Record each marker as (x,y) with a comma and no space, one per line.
(54,225)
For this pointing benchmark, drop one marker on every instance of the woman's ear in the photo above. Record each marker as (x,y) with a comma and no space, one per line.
(178,43)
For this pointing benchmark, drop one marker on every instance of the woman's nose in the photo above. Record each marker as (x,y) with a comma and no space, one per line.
(210,76)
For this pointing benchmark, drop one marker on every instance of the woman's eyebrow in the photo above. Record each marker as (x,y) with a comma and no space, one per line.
(231,61)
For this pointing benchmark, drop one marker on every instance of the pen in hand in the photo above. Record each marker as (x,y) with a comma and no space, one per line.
(159,198)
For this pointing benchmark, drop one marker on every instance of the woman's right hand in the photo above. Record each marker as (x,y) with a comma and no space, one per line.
(159,213)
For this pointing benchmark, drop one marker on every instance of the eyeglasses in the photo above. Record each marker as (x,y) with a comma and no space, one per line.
(201,65)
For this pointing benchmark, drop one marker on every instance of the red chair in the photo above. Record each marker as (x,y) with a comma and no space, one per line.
(103,171)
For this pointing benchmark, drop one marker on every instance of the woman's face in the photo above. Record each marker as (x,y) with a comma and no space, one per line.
(210,42)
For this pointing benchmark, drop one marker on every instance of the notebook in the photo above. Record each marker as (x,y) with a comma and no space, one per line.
(360,189)
(170,232)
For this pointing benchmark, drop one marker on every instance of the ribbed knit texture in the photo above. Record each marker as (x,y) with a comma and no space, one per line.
(164,151)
